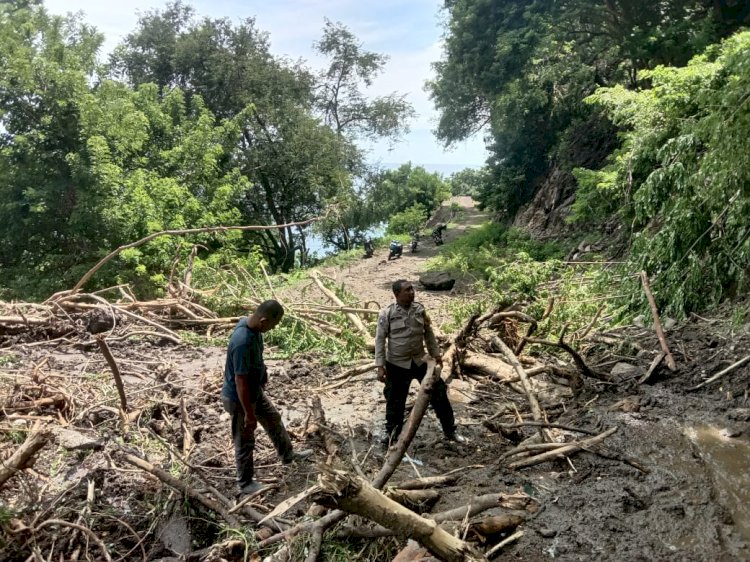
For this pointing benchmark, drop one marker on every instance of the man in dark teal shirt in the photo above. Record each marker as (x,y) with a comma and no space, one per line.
(243,397)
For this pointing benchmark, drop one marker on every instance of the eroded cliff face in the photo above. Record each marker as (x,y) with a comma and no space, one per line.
(545,215)
(586,145)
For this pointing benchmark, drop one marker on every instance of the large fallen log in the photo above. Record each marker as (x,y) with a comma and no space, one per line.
(515,502)
(489,366)
(355,495)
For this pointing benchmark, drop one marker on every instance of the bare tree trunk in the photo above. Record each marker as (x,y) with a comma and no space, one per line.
(355,495)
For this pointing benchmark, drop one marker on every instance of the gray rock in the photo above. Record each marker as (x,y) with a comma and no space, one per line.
(623,369)
(76,441)
(99,321)
(175,535)
(669,323)
(547,533)
(437,280)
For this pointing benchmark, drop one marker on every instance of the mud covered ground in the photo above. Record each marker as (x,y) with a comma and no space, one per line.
(691,504)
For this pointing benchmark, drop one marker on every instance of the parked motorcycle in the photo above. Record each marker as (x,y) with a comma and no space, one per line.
(437,234)
(369,248)
(395,249)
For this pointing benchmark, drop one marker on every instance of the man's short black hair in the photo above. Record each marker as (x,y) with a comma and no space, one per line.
(270,309)
(397,285)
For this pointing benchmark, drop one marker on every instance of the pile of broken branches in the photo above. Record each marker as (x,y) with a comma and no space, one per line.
(54,408)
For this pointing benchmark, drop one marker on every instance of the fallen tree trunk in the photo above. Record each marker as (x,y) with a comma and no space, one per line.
(516,502)
(353,318)
(489,366)
(35,440)
(355,495)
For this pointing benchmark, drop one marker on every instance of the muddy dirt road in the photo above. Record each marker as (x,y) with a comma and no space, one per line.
(672,483)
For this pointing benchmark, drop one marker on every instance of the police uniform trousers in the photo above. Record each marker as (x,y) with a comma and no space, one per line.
(396,390)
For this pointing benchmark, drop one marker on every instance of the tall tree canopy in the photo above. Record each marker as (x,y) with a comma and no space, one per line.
(87,164)
(298,149)
(520,70)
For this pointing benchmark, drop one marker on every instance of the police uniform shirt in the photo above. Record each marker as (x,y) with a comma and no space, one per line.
(407,330)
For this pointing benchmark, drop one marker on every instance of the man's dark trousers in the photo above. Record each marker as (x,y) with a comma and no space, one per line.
(396,390)
(244,442)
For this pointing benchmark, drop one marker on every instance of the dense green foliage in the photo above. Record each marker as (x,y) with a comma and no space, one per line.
(469,182)
(409,221)
(552,82)
(682,175)
(396,190)
(85,169)
(507,268)
(192,123)
(520,70)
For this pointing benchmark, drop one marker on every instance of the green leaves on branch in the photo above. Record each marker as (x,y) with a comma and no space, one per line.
(408,221)
(682,175)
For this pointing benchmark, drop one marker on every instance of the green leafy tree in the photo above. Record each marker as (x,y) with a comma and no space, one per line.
(88,165)
(468,182)
(339,92)
(47,63)
(520,72)
(681,176)
(394,191)
(408,221)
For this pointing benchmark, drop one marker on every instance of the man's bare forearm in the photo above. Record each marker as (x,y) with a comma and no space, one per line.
(243,391)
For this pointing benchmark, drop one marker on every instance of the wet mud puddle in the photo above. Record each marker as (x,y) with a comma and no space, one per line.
(727,458)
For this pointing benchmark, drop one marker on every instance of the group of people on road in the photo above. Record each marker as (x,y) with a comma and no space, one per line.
(403,329)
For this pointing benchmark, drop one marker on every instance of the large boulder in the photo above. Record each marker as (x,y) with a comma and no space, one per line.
(437,280)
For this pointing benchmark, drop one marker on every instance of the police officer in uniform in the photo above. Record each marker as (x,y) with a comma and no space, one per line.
(399,360)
